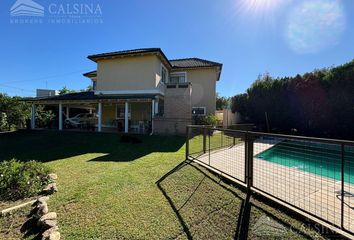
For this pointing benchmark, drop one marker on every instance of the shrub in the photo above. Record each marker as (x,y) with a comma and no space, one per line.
(44,117)
(22,179)
(211,120)
(206,120)
(3,121)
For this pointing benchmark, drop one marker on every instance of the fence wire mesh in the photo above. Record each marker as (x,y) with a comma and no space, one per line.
(221,149)
(315,176)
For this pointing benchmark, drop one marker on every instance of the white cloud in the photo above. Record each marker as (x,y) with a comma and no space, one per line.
(315,25)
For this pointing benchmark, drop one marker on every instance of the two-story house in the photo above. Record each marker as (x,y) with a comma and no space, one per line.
(143,91)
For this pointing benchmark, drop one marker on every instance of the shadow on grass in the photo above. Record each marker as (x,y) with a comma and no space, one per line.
(207,208)
(45,146)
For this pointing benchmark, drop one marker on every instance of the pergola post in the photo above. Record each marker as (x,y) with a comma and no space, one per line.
(33,116)
(126,117)
(157,106)
(152,115)
(67,112)
(60,117)
(99,127)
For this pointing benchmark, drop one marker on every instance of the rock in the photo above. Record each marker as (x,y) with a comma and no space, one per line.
(48,220)
(49,216)
(50,189)
(42,199)
(54,236)
(47,224)
(42,209)
(52,176)
(46,234)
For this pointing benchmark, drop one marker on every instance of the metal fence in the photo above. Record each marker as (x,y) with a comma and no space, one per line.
(313,175)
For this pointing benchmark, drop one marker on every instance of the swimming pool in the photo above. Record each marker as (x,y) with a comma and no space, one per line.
(317,158)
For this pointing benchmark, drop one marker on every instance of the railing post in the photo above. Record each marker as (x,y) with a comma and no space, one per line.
(249,160)
(209,133)
(222,142)
(187,143)
(234,141)
(204,139)
(342,186)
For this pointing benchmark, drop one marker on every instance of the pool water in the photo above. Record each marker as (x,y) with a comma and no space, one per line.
(317,158)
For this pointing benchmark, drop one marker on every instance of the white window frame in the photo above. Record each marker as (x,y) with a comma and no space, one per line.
(199,114)
(167,74)
(179,73)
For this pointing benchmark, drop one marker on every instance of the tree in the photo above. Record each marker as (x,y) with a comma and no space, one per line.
(89,88)
(319,103)
(239,104)
(222,102)
(3,122)
(65,90)
(43,117)
(16,111)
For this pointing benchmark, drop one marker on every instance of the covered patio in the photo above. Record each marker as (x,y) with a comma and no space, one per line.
(113,113)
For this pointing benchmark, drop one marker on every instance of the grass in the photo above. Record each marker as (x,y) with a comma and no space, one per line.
(113,190)
(212,141)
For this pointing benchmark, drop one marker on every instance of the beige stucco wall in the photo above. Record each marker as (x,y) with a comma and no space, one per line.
(203,88)
(128,73)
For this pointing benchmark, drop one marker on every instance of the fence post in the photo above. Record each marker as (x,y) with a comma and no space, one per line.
(249,160)
(204,139)
(209,133)
(187,143)
(342,186)
(222,142)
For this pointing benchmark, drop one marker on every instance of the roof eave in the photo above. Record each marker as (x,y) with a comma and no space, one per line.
(98,57)
(218,67)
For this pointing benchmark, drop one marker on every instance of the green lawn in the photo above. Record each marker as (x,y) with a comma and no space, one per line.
(113,190)
(212,141)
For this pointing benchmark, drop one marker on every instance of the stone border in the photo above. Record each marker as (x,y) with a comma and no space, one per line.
(44,220)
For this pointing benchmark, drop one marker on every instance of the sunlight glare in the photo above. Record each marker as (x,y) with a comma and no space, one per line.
(315,25)
(257,6)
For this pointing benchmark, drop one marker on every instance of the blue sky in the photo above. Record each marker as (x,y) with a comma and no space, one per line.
(250,37)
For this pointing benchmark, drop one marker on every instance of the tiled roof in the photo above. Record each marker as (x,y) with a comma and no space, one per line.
(89,96)
(125,52)
(193,63)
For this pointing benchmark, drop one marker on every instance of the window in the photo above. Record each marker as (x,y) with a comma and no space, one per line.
(178,78)
(198,111)
(164,74)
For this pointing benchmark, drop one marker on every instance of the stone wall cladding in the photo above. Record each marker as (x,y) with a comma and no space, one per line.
(177,112)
